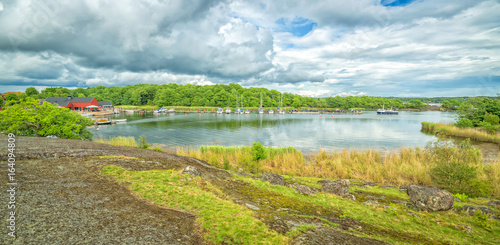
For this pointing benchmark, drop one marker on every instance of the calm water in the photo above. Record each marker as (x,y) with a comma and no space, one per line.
(368,130)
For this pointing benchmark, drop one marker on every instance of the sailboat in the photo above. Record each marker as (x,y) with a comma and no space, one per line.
(261,111)
(281,111)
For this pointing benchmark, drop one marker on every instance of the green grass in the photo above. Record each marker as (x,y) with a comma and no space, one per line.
(222,221)
(438,226)
(119,141)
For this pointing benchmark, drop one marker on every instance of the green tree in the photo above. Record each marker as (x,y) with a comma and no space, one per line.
(29,118)
(11,96)
(31,91)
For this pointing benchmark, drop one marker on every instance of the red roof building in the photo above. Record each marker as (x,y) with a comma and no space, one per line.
(73,103)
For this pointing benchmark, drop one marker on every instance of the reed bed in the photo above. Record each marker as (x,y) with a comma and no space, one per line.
(119,141)
(399,167)
(451,130)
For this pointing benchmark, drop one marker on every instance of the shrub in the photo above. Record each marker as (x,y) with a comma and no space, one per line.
(158,149)
(250,164)
(226,163)
(258,151)
(143,144)
(464,123)
(492,119)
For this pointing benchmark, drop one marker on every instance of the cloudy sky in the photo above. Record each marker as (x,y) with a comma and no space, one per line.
(313,48)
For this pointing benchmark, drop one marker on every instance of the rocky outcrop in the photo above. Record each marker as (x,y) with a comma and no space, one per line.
(274,179)
(369,183)
(494,203)
(192,171)
(324,181)
(306,190)
(430,199)
(371,203)
(471,210)
(338,187)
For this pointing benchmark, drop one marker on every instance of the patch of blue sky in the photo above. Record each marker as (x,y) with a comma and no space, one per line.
(299,26)
(395,3)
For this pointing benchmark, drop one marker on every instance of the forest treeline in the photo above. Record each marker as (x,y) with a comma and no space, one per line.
(227,95)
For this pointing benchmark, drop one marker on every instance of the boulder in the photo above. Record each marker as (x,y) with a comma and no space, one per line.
(403,188)
(336,188)
(344,182)
(306,190)
(274,179)
(369,183)
(471,210)
(430,199)
(192,171)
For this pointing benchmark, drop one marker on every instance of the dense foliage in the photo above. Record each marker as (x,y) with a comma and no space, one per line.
(28,117)
(482,112)
(221,96)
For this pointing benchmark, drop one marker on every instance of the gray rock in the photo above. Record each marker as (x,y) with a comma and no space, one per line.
(467,229)
(430,199)
(192,171)
(253,207)
(369,183)
(336,188)
(494,203)
(306,190)
(371,203)
(322,182)
(351,197)
(403,188)
(344,182)
(471,210)
(274,179)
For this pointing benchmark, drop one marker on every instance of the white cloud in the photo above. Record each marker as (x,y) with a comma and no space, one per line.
(356,45)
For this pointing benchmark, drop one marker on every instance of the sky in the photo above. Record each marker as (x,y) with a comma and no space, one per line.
(405,48)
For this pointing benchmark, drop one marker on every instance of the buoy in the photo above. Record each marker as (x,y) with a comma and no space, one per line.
(200,115)
(168,115)
(321,116)
(213,114)
(332,115)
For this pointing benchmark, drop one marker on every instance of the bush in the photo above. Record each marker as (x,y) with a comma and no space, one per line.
(492,119)
(250,164)
(143,144)
(158,149)
(258,151)
(464,123)
(226,163)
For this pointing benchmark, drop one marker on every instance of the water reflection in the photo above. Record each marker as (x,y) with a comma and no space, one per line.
(368,130)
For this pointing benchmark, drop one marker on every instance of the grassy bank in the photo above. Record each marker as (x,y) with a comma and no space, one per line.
(398,167)
(223,221)
(451,130)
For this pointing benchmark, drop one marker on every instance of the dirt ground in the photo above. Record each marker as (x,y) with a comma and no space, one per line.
(62,199)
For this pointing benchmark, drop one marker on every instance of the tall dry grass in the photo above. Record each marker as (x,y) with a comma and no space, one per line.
(451,130)
(399,167)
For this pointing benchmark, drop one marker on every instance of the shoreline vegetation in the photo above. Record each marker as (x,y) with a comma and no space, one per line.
(399,167)
(475,134)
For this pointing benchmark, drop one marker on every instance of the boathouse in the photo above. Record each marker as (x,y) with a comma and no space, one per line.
(105,104)
(73,103)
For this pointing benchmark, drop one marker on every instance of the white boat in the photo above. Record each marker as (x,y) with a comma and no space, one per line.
(120,120)
(87,114)
(271,111)
(228,111)
(281,111)
(220,111)
(261,111)
(383,111)
(115,111)
(171,110)
(247,111)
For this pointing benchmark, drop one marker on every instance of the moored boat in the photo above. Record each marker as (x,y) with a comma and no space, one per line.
(228,111)
(383,111)
(220,111)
